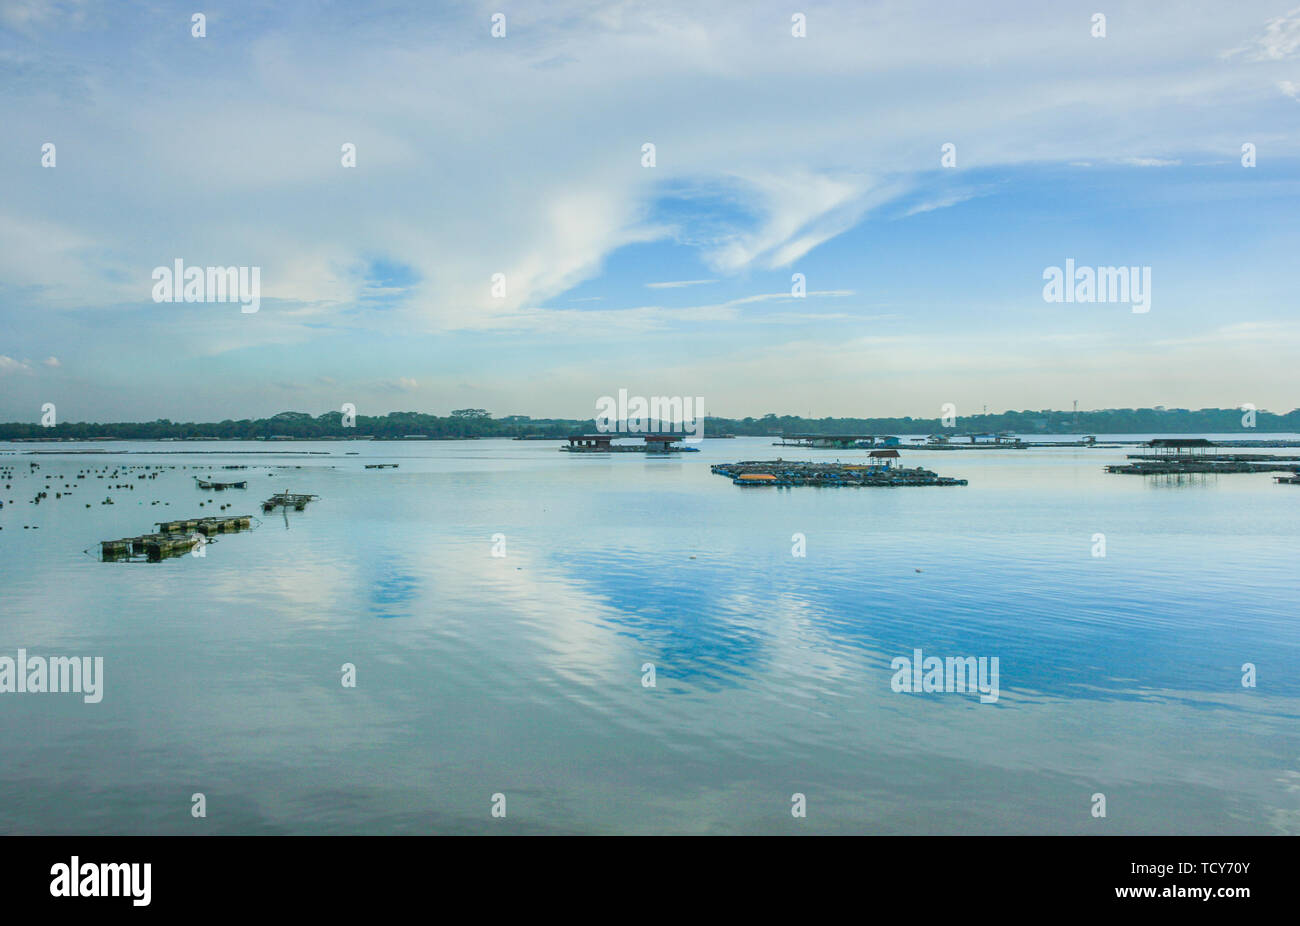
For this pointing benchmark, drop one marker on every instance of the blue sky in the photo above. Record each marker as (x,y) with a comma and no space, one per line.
(522,155)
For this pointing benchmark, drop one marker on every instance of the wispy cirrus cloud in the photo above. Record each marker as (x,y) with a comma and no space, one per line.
(1279,40)
(612,324)
(944,201)
(799,210)
(678,284)
(1149,162)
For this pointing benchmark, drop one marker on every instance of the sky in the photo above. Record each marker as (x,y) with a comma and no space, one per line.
(774,155)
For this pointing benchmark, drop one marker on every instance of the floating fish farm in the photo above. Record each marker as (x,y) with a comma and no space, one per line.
(792,473)
(173,538)
(1177,456)
(1179,467)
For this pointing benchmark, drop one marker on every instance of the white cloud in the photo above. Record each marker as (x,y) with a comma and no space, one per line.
(1273,333)
(1150,162)
(1281,39)
(613,324)
(516,168)
(67,267)
(523,156)
(28,14)
(943,202)
(677,284)
(800,210)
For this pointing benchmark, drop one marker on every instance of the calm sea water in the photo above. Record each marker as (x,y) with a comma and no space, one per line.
(522,674)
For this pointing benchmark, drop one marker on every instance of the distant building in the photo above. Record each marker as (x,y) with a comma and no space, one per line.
(1180,446)
(886,457)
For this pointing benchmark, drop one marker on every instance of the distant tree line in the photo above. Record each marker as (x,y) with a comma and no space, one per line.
(1046,421)
(467,423)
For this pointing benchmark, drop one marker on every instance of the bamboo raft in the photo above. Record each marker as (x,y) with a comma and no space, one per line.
(153,547)
(288,500)
(209,526)
(792,473)
(173,538)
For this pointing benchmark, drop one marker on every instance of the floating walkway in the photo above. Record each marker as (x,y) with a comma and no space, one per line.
(792,473)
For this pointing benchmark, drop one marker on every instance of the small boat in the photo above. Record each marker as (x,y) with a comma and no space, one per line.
(381,466)
(204,484)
